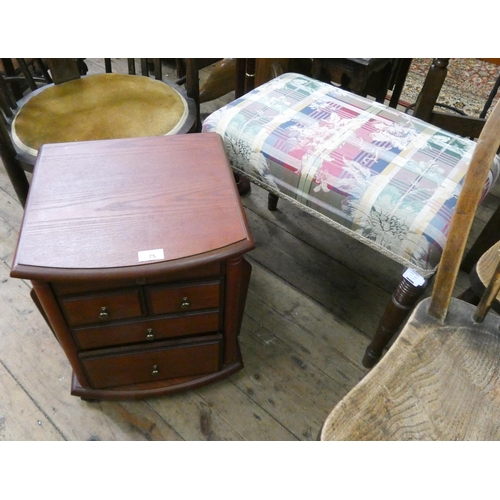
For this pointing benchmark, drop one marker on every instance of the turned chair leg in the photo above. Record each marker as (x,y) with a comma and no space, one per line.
(13,167)
(403,300)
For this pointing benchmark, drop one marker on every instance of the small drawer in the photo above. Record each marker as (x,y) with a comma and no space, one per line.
(146,330)
(90,309)
(183,298)
(171,360)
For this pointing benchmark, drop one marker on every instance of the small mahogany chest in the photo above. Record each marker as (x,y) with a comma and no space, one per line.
(135,251)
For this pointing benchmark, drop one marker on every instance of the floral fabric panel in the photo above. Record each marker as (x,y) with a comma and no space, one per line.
(383,174)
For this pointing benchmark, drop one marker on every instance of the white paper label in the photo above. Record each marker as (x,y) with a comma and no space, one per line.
(147,255)
(413,277)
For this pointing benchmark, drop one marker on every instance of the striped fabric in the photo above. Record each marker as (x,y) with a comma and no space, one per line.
(382,176)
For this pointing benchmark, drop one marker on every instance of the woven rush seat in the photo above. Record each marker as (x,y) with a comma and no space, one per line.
(378,175)
(382,176)
(103,106)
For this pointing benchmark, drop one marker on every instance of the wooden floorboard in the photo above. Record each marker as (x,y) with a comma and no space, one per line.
(314,300)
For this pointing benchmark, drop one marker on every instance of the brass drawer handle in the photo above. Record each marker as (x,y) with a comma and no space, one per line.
(149,334)
(185,303)
(104,314)
(155,370)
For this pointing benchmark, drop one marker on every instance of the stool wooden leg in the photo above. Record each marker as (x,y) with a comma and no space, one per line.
(402,302)
(242,183)
(272,202)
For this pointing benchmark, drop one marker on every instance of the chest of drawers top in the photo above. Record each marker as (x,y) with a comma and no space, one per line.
(130,208)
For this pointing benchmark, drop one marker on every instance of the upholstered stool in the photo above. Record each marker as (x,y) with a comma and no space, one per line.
(378,175)
(103,106)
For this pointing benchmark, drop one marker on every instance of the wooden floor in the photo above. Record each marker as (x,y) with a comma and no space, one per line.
(314,301)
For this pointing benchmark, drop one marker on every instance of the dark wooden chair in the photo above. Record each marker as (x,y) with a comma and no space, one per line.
(441,379)
(23,74)
(364,76)
(430,110)
(72,107)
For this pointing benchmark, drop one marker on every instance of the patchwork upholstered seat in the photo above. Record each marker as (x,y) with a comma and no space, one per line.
(377,174)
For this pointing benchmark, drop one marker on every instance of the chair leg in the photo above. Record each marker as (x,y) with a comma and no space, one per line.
(403,300)
(429,93)
(14,170)
(403,66)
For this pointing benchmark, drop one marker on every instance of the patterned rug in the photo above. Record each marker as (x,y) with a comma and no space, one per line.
(467,85)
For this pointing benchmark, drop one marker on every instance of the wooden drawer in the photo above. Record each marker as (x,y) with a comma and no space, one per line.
(169,360)
(207,271)
(183,298)
(146,330)
(100,308)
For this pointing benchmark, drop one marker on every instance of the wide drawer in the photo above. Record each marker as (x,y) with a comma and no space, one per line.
(146,330)
(183,298)
(206,271)
(100,308)
(170,360)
